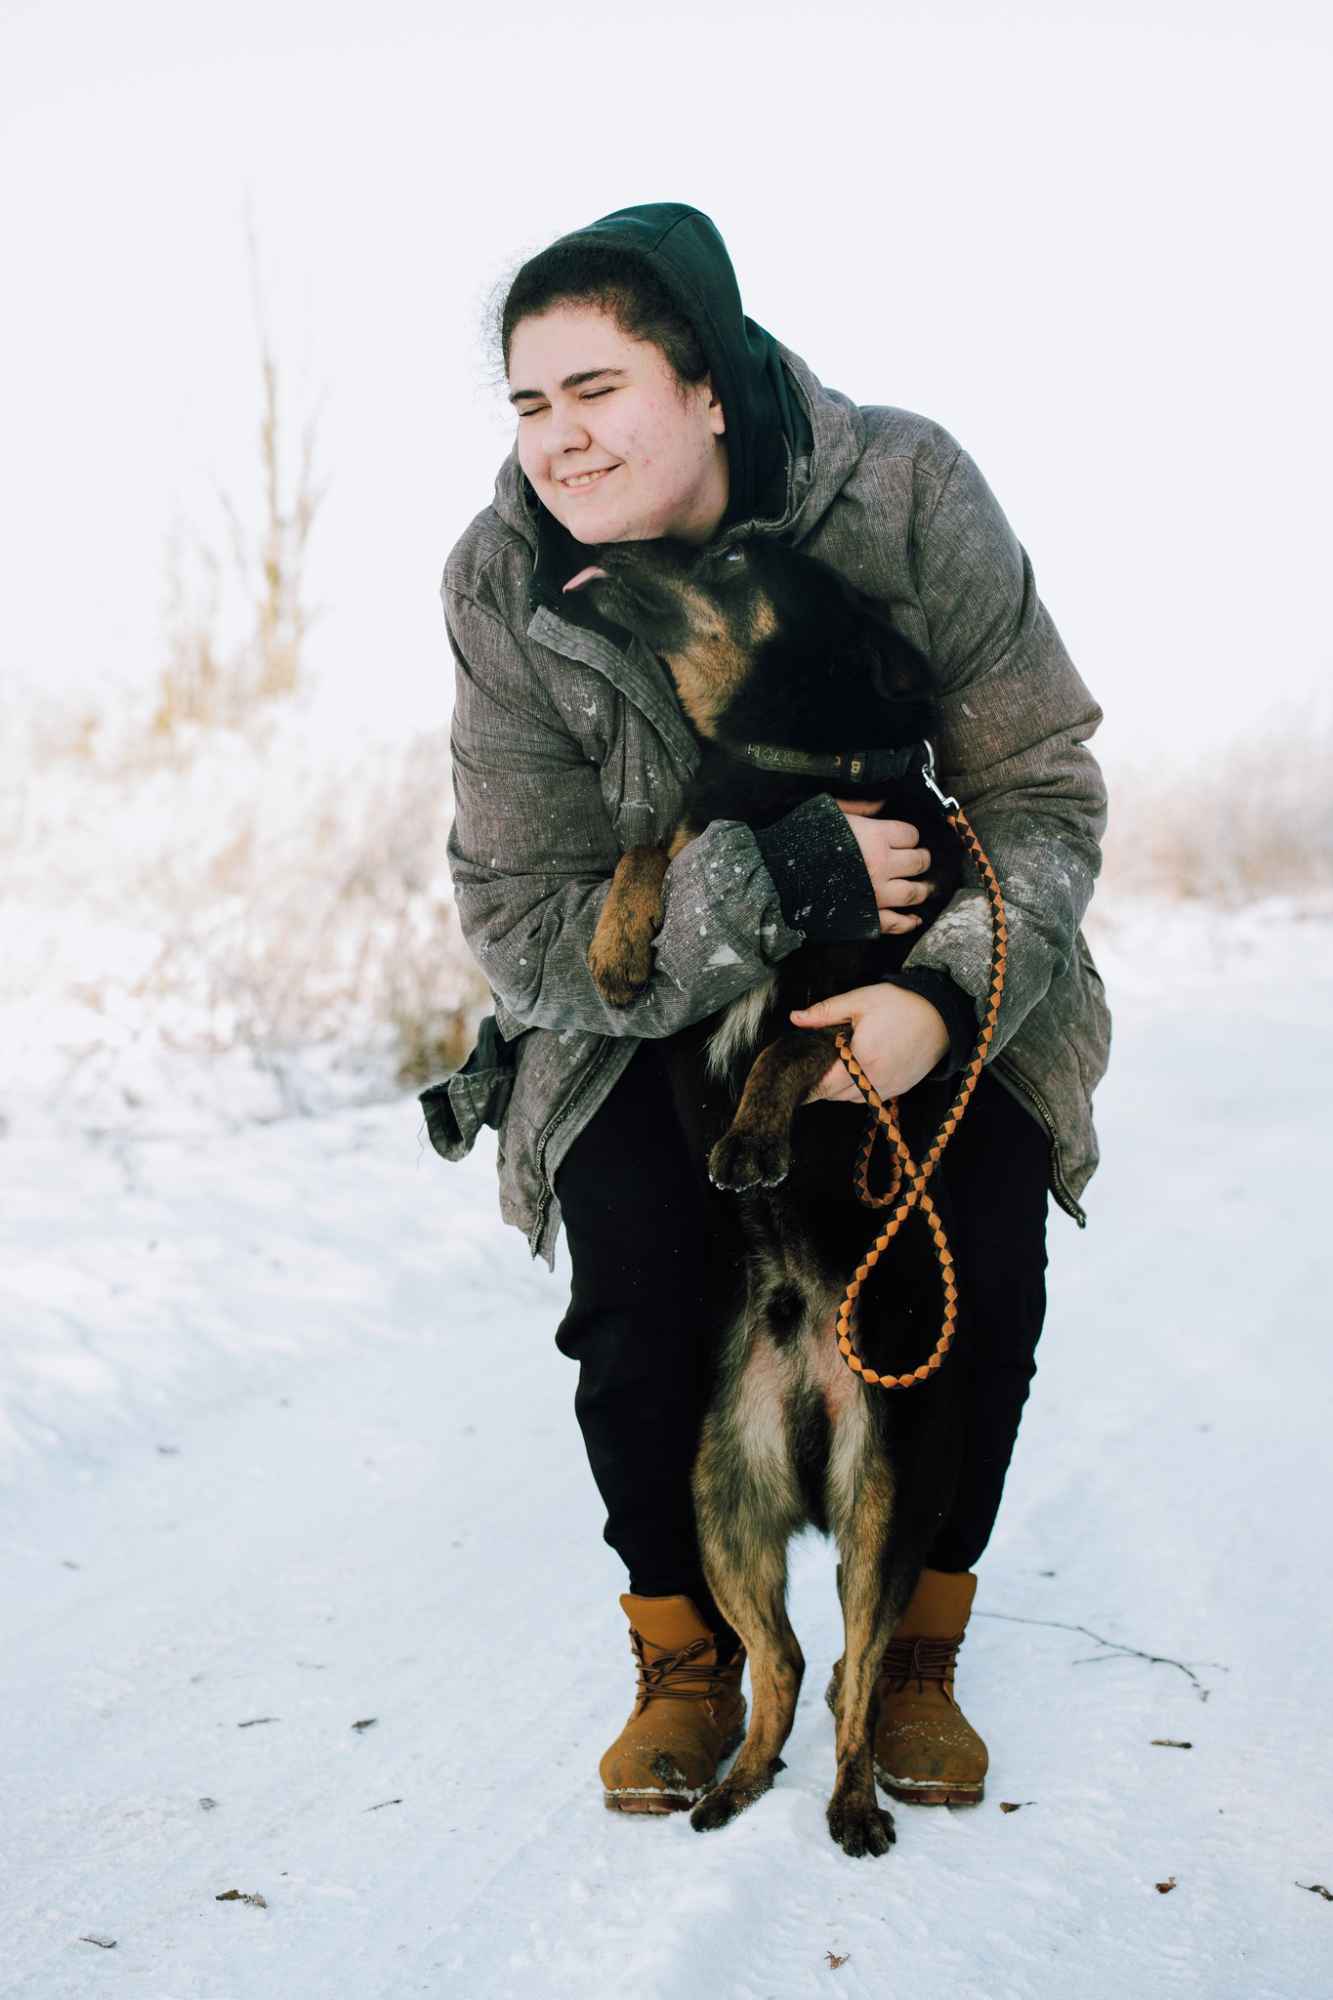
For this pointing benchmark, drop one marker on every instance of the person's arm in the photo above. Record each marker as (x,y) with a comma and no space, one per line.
(531,853)
(1014,718)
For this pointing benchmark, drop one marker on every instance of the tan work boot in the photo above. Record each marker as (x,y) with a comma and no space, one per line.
(926,1751)
(689,1713)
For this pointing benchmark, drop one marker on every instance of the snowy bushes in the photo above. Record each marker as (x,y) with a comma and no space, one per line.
(1252,820)
(257,924)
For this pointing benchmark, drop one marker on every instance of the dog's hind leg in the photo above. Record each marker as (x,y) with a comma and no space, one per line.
(756,1152)
(873,1595)
(754,1600)
(748,1505)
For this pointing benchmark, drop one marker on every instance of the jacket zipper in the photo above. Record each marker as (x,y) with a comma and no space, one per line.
(561,1112)
(1059,1187)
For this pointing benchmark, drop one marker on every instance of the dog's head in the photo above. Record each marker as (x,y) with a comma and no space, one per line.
(759,615)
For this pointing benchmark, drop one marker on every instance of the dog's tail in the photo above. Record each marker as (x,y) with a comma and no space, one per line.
(740,1028)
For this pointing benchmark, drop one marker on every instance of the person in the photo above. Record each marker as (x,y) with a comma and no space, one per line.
(648,404)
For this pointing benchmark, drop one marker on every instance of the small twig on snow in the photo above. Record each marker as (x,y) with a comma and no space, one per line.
(1112,1646)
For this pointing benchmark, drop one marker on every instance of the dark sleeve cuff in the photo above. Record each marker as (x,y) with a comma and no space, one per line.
(822,881)
(956,1009)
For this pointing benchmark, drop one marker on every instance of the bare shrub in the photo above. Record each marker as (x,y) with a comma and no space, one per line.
(203,685)
(196,685)
(1253,819)
(267,927)
(328,917)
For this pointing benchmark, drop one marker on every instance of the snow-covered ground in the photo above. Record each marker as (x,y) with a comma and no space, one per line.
(287,1449)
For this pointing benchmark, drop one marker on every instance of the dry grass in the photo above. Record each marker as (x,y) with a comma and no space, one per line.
(263,907)
(202,683)
(1251,821)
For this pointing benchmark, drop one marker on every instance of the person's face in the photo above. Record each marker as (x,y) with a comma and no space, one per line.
(590,399)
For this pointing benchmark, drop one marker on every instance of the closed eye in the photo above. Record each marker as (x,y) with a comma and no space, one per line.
(591,397)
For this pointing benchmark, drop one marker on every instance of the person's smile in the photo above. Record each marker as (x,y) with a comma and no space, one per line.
(580,482)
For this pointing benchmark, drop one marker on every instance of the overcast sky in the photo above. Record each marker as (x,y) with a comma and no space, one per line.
(1092,241)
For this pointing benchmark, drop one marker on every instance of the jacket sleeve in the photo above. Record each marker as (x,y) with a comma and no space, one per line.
(1014,721)
(531,852)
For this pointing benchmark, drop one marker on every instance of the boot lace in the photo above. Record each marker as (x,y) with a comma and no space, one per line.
(678,1675)
(919,1660)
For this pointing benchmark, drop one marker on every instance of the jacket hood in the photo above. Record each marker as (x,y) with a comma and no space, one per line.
(791,443)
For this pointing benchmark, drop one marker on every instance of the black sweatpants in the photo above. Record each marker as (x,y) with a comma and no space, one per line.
(655,1271)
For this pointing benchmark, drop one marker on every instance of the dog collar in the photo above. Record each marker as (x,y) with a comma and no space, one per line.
(861,767)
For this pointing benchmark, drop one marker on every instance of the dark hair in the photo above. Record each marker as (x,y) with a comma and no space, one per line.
(621,283)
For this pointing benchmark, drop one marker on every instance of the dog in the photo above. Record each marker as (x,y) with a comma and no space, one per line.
(779,665)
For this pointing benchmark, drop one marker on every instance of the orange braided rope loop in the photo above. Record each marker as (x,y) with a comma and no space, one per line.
(905,1169)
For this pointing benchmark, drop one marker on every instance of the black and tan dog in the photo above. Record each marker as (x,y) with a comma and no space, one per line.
(795,684)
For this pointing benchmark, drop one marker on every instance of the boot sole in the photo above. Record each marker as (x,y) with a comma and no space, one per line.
(911,1793)
(645,1801)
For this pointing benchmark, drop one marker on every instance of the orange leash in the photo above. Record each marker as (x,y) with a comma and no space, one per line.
(905,1168)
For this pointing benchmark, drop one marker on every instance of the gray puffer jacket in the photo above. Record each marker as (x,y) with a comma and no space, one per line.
(569,746)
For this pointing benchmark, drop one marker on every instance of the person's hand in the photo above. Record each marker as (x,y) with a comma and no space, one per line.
(894,862)
(897,1037)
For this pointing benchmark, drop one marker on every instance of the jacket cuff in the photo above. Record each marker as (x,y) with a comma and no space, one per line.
(822,881)
(955,1008)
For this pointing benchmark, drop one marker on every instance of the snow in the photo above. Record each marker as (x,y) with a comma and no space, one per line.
(286,1437)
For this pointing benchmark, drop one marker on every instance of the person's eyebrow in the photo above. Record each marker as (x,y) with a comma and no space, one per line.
(570,382)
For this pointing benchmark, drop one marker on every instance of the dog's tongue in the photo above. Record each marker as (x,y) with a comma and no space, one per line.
(584,576)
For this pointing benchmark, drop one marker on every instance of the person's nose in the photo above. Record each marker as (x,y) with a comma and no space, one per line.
(566,433)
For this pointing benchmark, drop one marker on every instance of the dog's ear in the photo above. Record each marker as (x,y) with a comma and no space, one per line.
(897,671)
(892,664)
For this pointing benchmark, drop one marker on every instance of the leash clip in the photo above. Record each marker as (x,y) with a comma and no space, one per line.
(949,803)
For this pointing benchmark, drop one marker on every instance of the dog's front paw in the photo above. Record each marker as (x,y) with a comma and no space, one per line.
(621,970)
(716,1808)
(860,1826)
(741,1161)
(732,1796)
